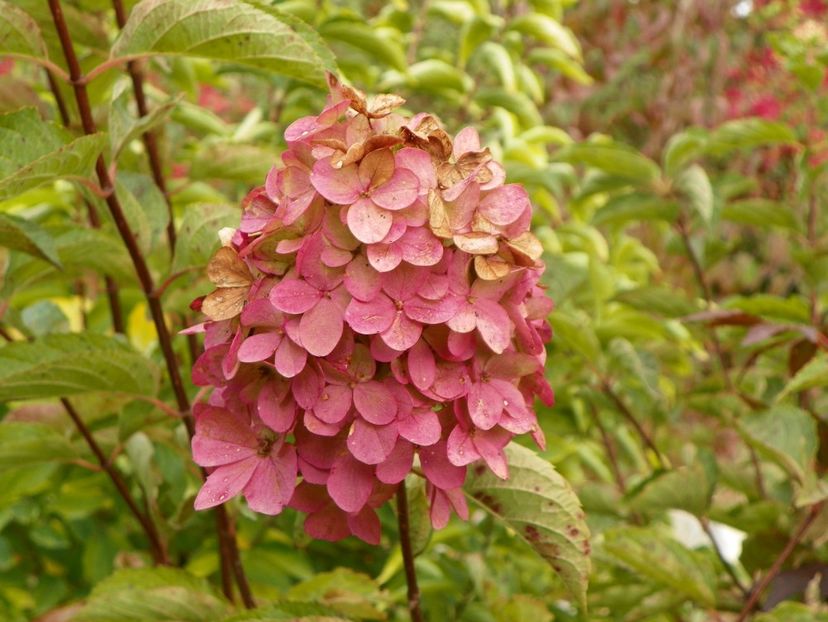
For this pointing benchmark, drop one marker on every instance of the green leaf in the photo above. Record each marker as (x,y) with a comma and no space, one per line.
(784,433)
(549,31)
(575,331)
(21,235)
(814,374)
(159,594)
(144,206)
(36,152)
(560,62)
(613,159)
(517,103)
(660,300)
(435,75)
(761,212)
(349,593)
(60,365)
(662,560)
(198,234)
(473,34)
(290,612)
(682,148)
(498,59)
(124,124)
(634,207)
(19,33)
(241,31)
(688,488)
(749,133)
(542,508)
(792,612)
(24,444)
(418,514)
(362,36)
(248,164)
(694,184)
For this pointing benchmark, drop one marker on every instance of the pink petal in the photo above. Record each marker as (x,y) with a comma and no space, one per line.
(404,282)
(485,405)
(294,296)
(422,368)
(276,410)
(321,328)
(365,525)
(271,485)
(316,426)
(420,247)
(327,524)
(437,468)
(402,334)
(300,128)
(340,186)
(384,257)
(462,346)
(398,463)
(368,223)
(451,382)
(494,324)
(518,418)
(334,403)
(398,192)
(258,347)
(442,502)
(466,140)
(381,351)
(435,287)
(489,445)
(290,359)
(371,444)
(369,318)
(375,402)
(350,483)
(306,387)
(418,162)
(335,257)
(220,424)
(504,205)
(225,483)
(460,448)
(215,452)
(361,280)
(421,427)
(260,312)
(432,311)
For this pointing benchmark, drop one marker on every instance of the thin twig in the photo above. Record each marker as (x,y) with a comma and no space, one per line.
(705,523)
(628,415)
(150,142)
(59,101)
(611,454)
(795,539)
(159,549)
(138,260)
(408,555)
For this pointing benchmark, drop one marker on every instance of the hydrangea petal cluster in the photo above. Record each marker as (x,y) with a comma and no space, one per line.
(378,310)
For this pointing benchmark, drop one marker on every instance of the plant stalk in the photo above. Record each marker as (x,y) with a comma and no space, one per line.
(144,277)
(159,549)
(408,555)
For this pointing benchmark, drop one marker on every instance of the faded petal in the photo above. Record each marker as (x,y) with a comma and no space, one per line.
(384,257)
(341,186)
(368,222)
(398,192)
(504,205)
(420,247)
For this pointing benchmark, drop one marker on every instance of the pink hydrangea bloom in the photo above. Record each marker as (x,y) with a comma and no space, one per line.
(379,312)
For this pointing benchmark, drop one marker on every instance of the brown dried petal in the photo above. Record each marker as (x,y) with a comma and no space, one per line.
(224,303)
(227,270)
(382,105)
(378,166)
(437,215)
(491,268)
(526,245)
(476,243)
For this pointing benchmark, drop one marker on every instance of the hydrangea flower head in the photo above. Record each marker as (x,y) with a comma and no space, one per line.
(377,311)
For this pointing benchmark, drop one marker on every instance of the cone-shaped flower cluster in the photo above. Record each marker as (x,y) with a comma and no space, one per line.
(377,310)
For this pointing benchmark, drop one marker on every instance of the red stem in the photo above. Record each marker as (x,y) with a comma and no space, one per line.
(138,261)
(159,549)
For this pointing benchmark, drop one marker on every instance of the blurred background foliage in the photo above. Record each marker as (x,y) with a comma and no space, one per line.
(676,154)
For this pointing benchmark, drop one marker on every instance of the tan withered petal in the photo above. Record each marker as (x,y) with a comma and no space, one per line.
(427,125)
(491,268)
(224,303)
(448,175)
(333,143)
(383,105)
(437,215)
(357,151)
(378,166)
(527,246)
(476,243)
(439,144)
(481,223)
(227,270)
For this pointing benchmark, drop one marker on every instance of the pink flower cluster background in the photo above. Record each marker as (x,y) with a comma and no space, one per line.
(376,313)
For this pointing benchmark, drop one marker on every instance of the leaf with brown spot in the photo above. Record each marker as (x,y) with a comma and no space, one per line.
(541,507)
